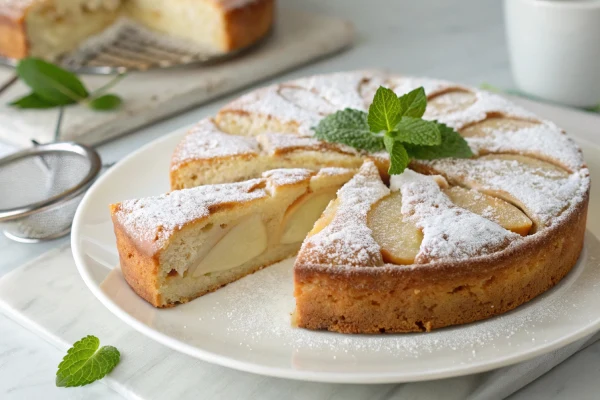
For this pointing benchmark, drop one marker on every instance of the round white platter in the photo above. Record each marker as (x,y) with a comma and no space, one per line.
(246,325)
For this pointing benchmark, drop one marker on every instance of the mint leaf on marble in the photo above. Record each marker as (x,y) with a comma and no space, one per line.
(105,103)
(50,82)
(31,100)
(53,86)
(85,363)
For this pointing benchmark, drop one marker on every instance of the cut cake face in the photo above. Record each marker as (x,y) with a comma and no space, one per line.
(183,244)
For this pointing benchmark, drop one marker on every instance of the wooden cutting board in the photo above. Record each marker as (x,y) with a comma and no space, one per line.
(297,38)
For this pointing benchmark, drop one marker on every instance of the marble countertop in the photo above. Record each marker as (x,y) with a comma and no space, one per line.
(461,40)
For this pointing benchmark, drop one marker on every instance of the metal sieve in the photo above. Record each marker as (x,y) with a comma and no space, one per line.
(41,187)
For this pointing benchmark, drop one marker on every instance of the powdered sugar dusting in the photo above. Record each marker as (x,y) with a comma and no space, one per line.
(404,84)
(544,140)
(253,314)
(485,103)
(153,220)
(287,176)
(206,141)
(449,232)
(306,101)
(544,194)
(347,240)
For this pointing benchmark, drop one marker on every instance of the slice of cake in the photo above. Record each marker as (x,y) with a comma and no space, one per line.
(50,28)
(181,245)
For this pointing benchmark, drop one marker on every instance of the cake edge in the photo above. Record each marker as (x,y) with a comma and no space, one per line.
(440,294)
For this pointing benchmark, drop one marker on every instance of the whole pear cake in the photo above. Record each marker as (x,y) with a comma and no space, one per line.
(412,203)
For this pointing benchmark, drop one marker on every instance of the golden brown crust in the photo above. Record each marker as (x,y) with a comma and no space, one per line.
(13,39)
(179,176)
(140,270)
(246,25)
(431,296)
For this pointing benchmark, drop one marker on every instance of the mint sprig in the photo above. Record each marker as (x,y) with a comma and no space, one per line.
(395,124)
(52,86)
(85,363)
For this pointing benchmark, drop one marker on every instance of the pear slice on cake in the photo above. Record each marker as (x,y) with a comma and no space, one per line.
(492,208)
(399,238)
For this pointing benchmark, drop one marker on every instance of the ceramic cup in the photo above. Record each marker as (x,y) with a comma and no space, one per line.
(554,49)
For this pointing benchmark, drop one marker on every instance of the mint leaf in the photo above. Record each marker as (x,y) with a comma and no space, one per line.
(51,83)
(413,103)
(84,363)
(418,131)
(388,142)
(349,127)
(31,100)
(452,145)
(105,103)
(399,158)
(384,112)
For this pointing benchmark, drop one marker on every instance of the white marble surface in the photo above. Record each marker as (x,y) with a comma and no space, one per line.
(458,40)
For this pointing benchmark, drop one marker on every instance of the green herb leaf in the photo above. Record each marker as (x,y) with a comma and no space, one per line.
(51,83)
(418,131)
(399,158)
(452,145)
(106,102)
(413,103)
(384,112)
(349,127)
(32,100)
(84,363)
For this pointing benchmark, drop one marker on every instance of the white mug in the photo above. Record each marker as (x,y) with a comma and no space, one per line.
(554,49)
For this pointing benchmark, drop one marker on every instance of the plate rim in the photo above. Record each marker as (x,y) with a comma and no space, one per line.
(290,373)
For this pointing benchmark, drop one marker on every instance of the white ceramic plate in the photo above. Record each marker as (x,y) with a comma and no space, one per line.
(246,325)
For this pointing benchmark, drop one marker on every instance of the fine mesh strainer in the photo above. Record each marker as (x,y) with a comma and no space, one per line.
(41,187)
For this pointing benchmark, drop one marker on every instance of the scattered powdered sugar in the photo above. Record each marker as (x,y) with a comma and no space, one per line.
(485,103)
(347,240)
(341,90)
(449,232)
(153,220)
(404,84)
(545,139)
(543,193)
(332,171)
(306,101)
(206,141)
(254,314)
(287,176)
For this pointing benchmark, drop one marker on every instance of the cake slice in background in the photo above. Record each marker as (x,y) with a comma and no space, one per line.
(50,28)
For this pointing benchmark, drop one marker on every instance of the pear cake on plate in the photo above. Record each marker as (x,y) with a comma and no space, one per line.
(50,28)
(449,241)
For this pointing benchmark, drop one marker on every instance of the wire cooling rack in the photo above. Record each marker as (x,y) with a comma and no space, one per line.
(127,46)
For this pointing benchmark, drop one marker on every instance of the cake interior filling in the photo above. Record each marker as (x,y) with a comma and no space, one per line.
(226,246)
(58,27)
